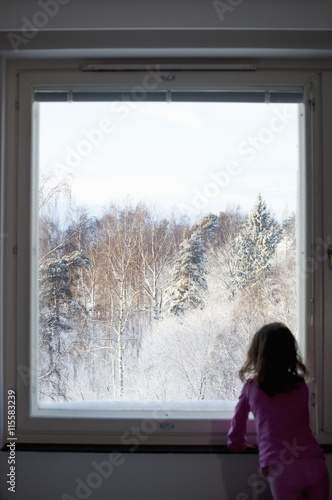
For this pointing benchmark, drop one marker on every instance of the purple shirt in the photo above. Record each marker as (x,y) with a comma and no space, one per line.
(282,424)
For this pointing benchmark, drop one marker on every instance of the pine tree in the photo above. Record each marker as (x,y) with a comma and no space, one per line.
(59,313)
(255,245)
(289,231)
(57,277)
(188,276)
(207,225)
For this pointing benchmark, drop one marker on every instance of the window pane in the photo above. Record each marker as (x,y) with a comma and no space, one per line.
(167,236)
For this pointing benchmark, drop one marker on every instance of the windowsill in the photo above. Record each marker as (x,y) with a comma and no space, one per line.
(159,449)
(190,410)
(83,448)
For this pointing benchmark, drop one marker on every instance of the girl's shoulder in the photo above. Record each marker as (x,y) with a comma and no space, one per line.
(299,383)
(302,384)
(250,384)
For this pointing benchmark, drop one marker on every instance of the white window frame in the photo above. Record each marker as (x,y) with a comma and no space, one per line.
(106,427)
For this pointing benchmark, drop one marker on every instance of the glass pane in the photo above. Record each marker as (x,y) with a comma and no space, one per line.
(167,236)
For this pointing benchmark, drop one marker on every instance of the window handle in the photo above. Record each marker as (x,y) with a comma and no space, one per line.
(329,253)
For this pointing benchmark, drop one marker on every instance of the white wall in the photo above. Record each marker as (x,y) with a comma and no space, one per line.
(194,28)
(163,476)
(257,14)
(42,476)
(52,476)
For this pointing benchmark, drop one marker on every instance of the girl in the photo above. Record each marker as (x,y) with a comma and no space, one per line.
(276,393)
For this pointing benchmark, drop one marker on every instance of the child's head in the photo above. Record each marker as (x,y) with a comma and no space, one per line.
(273,359)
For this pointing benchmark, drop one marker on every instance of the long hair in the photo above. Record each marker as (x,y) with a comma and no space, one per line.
(273,360)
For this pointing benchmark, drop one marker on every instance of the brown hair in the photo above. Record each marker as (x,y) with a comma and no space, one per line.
(273,360)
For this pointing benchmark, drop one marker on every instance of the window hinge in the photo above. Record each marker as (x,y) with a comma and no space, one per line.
(17,105)
(313,399)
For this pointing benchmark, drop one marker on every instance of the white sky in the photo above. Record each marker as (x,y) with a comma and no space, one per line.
(185,158)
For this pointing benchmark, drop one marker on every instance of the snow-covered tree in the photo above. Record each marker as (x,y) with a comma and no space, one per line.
(56,279)
(188,276)
(103,285)
(195,359)
(289,234)
(156,248)
(255,245)
(221,257)
(59,313)
(207,226)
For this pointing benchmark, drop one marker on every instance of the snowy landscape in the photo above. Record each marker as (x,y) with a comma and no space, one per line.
(135,307)
(165,240)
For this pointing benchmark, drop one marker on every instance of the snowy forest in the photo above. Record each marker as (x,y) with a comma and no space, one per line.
(137,307)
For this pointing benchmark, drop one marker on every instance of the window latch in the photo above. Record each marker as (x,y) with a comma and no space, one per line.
(313,399)
(329,253)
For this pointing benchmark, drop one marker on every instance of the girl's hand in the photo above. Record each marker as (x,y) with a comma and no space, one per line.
(250,447)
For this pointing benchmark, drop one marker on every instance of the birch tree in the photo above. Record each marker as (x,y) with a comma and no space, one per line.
(156,250)
(119,260)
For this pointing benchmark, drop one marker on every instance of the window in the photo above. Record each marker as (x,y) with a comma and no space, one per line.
(157,221)
(56,403)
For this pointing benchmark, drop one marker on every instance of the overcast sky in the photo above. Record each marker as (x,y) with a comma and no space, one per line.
(182,158)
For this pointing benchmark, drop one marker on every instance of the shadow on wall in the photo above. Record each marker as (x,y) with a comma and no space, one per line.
(138,476)
(242,478)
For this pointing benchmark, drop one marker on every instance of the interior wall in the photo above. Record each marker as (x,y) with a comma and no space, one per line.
(142,476)
(184,28)
(76,476)
(72,476)
(105,14)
